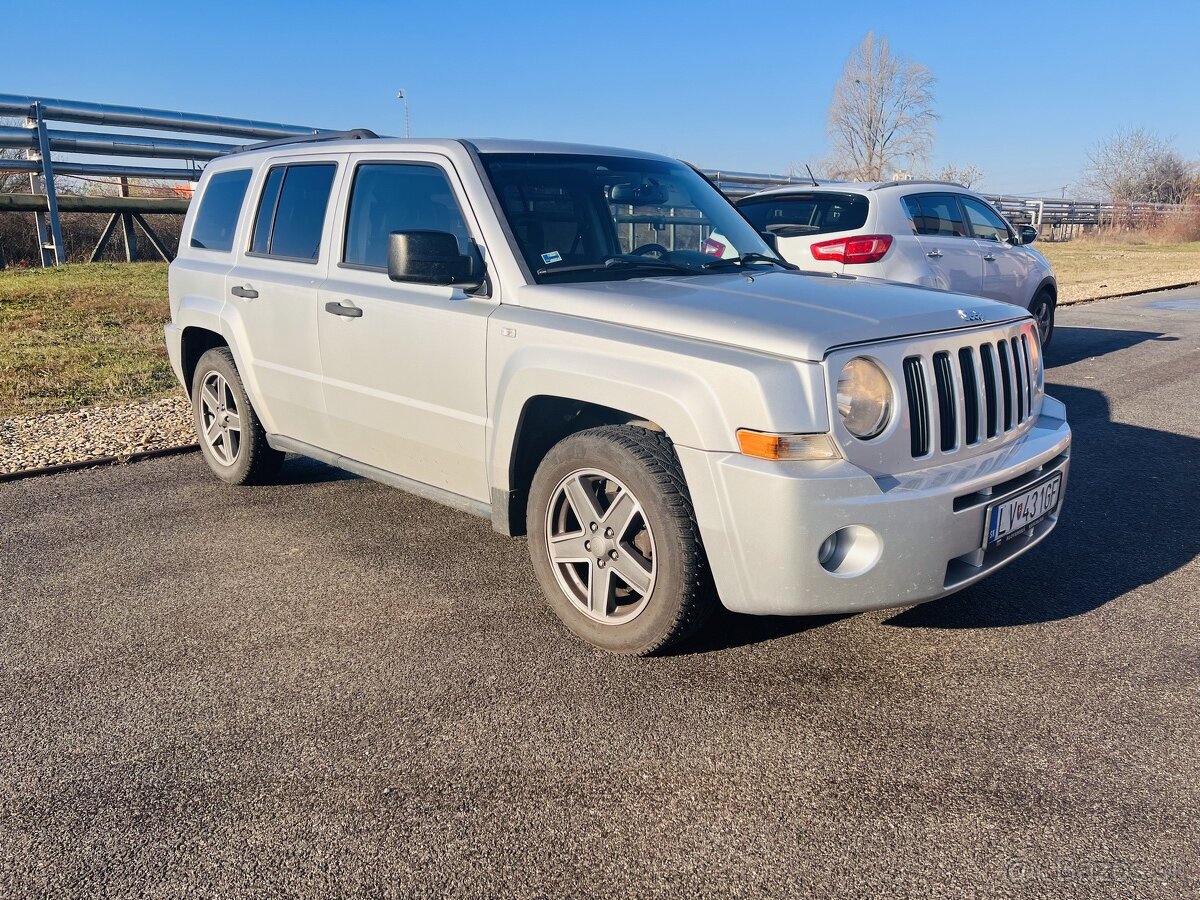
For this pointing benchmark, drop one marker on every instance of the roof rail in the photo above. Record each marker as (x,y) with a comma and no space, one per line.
(359,134)
(884,184)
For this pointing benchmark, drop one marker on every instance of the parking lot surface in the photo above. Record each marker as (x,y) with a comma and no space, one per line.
(330,687)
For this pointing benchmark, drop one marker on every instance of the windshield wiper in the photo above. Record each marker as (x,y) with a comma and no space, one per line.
(615,262)
(751,258)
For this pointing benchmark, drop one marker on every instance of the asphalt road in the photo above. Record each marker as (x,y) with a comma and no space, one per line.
(329,687)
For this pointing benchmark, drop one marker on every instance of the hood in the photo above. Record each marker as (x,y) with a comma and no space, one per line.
(790,314)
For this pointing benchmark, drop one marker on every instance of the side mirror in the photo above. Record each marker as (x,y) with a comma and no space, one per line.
(433,257)
(771,239)
(1027,233)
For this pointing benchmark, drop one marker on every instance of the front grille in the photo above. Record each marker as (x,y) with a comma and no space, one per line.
(983,391)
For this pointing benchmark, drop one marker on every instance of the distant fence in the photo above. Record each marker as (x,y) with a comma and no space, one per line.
(40,142)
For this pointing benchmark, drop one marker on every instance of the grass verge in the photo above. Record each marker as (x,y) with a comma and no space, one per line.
(82,334)
(1087,268)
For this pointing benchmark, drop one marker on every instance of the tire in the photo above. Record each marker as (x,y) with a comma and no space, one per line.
(1042,308)
(230,435)
(638,581)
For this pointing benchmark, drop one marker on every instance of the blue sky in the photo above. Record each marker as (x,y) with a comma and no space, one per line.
(1024,91)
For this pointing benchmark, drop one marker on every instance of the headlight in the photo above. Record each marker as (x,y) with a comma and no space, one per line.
(864,398)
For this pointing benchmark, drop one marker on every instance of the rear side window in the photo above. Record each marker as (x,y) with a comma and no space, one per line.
(389,197)
(217,217)
(797,215)
(937,214)
(291,213)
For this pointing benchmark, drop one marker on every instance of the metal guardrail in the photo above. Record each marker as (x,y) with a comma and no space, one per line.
(39,142)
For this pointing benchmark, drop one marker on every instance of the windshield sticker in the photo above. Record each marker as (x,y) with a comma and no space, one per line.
(552,257)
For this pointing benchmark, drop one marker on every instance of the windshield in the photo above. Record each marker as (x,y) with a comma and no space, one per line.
(589,218)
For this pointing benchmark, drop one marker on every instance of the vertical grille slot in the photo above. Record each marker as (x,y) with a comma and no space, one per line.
(1006,382)
(1030,388)
(943,374)
(987,359)
(1019,372)
(918,405)
(966,362)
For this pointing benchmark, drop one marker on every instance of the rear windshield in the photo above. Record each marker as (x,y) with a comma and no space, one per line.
(797,215)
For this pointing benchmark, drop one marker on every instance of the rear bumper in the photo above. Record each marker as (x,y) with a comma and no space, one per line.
(763,524)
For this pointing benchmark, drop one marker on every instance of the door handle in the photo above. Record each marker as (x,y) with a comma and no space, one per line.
(350,312)
(990,258)
(244,292)
(934,254)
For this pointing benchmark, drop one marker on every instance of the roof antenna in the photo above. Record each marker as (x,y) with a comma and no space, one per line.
(810,175)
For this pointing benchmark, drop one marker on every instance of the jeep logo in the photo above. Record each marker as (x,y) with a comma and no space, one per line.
(970,315)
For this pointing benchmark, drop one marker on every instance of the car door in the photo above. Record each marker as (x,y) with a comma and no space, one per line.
(1006,268)
(952,255)
(404,363)
(271,295)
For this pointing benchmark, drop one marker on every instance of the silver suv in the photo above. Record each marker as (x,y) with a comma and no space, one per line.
(931,233)
(535,333)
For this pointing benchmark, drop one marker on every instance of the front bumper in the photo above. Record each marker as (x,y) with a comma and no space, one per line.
(763,523)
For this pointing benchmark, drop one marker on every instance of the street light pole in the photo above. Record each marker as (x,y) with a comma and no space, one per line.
(403,95)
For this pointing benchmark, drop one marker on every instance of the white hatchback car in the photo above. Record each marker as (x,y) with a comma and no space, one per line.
(930,233)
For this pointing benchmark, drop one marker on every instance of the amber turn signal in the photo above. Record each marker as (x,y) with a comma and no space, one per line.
(763,445)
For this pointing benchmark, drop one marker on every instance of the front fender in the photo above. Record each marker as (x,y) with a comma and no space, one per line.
(700,394)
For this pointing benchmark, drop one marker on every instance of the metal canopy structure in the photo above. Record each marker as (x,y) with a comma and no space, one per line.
(39,142)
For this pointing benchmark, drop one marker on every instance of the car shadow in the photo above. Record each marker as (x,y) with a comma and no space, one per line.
(302,470)
(1129,518)
(1072,344)
(725,630)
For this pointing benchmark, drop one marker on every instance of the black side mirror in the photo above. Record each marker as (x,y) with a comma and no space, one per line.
(1027,233)
(771,239)
(433,257)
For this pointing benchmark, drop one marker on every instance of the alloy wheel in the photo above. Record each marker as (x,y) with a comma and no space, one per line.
(220,420)
(601,546)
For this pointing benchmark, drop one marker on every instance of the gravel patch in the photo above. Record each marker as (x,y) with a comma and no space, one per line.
(94,432)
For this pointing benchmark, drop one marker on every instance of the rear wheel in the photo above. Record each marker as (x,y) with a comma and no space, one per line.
(614,540)
(231,438)
(1042,309)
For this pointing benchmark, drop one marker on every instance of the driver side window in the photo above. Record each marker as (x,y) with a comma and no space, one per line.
(389,197)
(984,222)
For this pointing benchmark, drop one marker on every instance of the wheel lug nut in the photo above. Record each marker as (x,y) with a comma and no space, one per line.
(600,562)
(612,554)
(608,532)
(593,526)
(587,545)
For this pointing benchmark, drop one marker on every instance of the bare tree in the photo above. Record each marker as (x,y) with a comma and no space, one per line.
(881,117)
(1138,165)
(967,176)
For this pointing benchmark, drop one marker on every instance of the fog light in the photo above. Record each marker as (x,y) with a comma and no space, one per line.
(827,547)
(850,551)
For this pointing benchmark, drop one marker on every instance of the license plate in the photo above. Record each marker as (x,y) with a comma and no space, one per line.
(1012,516)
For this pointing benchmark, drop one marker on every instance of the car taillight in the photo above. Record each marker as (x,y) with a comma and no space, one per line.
(712,248)
(862,248)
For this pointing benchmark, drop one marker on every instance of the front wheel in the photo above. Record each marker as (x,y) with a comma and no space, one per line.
(1042,309)
(614,540)
(231,438)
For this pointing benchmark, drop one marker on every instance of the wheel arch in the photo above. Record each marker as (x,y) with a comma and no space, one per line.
(543,421)
(194,343)
(1047,283)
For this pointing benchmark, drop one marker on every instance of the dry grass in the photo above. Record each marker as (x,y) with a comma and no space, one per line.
(1088,268)
(81,334)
